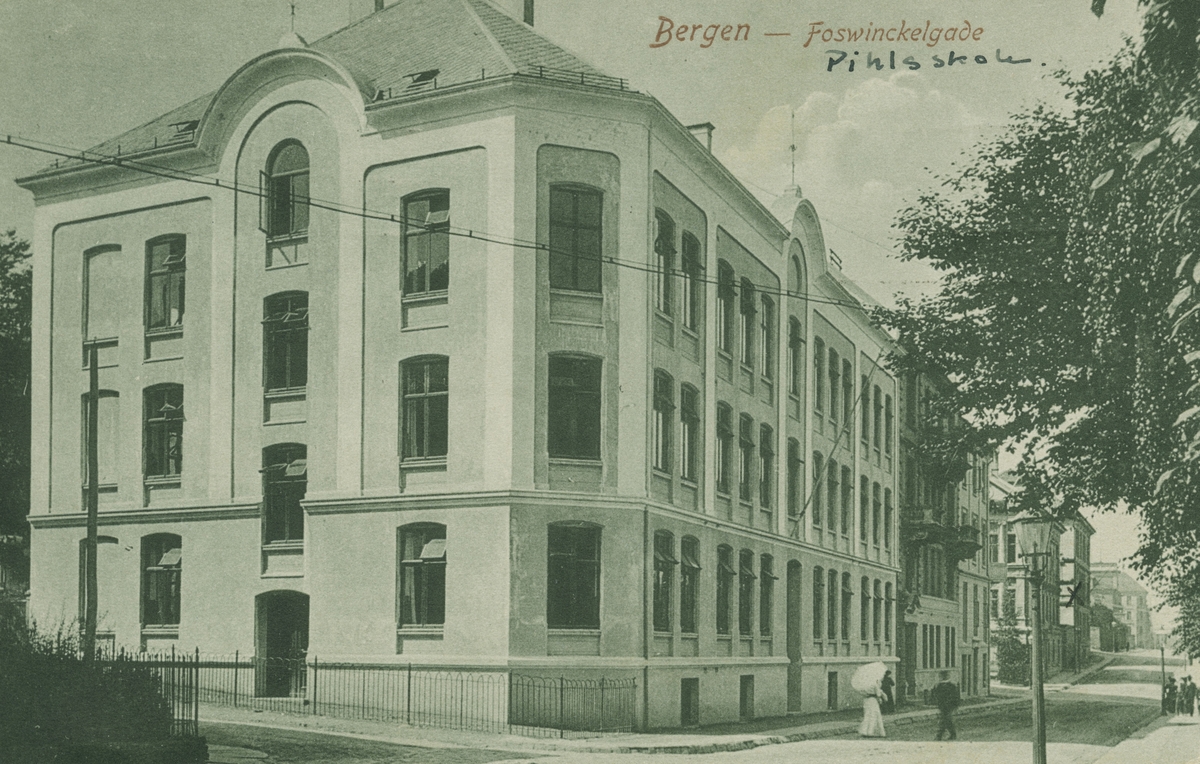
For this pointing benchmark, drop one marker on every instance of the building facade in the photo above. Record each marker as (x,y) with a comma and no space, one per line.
(943,511)
(420,349)
(1075,573)
(1126,598)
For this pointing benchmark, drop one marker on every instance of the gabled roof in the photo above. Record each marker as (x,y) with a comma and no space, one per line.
(462,40)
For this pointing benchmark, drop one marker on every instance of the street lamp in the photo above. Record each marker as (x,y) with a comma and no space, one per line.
(1033,535)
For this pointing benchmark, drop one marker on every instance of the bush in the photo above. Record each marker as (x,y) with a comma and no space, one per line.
(1012,655)
(49,696)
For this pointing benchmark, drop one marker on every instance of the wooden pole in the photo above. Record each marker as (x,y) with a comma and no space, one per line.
(1039,699)
(93,501)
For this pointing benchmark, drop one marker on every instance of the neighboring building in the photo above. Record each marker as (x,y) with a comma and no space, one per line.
(1116,589)
(1108,634)
(389,427)
(1011,587)
(943,511)
(1076,577)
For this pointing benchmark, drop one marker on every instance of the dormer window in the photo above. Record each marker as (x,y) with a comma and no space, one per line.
(283,192)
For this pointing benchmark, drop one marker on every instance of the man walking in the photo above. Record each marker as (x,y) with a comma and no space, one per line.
(945,696)
(1187,697)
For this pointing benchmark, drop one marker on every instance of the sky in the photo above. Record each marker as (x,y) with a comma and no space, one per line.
(866,142)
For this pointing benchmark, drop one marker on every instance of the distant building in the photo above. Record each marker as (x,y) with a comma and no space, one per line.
(1118,590)
(1074,614)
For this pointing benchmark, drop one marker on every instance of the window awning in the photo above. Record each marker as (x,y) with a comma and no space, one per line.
(438,217)
(296,468)
(661,556)
(748,571)
(435,549)
(172,558)
(726,570)
(689,560)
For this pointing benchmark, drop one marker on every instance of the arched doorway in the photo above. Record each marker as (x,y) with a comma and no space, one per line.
(281,644)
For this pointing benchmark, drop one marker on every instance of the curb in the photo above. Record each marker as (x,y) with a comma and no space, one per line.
(758,742)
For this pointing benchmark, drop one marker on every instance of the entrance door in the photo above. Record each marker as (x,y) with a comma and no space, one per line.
(911,656)
(794,587)
(281,649)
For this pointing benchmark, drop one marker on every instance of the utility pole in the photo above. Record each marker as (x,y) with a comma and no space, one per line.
(93,502)
(1039,697)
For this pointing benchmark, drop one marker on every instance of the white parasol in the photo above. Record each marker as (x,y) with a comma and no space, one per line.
(868,677)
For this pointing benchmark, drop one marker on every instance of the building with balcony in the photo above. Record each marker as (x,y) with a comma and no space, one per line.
(1011,588)
(943,511)
(1126,598)
(485,362)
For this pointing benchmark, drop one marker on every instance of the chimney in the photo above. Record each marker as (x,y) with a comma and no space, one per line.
(703,133)
(528,12)
(378,5)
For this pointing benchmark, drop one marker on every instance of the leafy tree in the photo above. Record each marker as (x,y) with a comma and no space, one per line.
(1062,243)
(1012,654)
(16,312)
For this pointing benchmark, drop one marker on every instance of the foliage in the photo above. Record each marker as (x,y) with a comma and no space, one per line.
(16,313)
(1012,654)
(52,698)
(1056,319)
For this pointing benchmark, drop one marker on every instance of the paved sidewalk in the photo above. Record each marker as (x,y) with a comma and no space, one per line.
(690,742)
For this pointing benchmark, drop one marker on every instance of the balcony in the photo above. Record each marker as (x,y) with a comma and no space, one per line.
(963,542)
(923,525)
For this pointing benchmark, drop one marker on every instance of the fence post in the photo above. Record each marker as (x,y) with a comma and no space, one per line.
(236,667)
(408,698)
(196,695)
(601,705)
(316,686)
(562,699)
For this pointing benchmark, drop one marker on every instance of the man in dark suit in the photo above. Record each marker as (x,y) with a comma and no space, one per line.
(945,695)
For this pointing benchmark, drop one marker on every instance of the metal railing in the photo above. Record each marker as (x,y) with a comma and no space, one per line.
(179,679)
(433,696)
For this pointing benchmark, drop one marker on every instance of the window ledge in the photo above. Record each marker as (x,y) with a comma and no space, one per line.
(165,331)
(577,293)
(103,487)
(689,482)
(663,634)
(163,481)
(282,546)
(660,472)
(568,631)
(725,637)
(664,315)
(576,461)
(285,392)
(423,463)
(723,353)
(692,332)
(432,297)
(156,630)
(429,632)
(295,237)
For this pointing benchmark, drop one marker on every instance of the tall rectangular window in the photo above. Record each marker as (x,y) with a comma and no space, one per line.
(663,420)
(864,520)
(994,547)
(795,357)
(163,431)
(422,585)
(847,500)
(284,192)
(818,602)
(766,460)
(848,397)
(162,559)
(835,385)
(725,576)
(573,410)
(888,518)
(887,612)
(847,606)
(817,490)
(692,292)
(689,584)
(864,411)
(108,437)
(831,610)
(749,326)
(767,337)
(725,297)
(664,579)
(724,446)
(285,329)
(689,433)
(285,481)
(877,419)
(104,292)
(864,610)
(794,478)
(746,579)
(889,425)
(832,492)
(575,226)
(876,512)
(573,577)
(1010,547)
(818,375)
(876,610)
(664,262)
(975,612)
(165,267)
(427,242)
(426,407)
(766,594)
(746,444)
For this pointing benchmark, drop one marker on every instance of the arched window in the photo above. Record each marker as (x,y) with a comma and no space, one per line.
(689,583)
(689,434)
(746,443)
(847,500)
(749,307)
(795,357)
(725,296)
(766,461)
(573,410)
(864,614)
(104,292)
(876,609)
(876,512)
(108,437)
(725,576)
(818,375)
(724,445)
(889,424)
(421,589)
(664,578)
(848,396)
(165,266)
(425,407)
(766,336)
(162,558)
(664,261)
(285,341)
(831,613)
(793,478)
(887,518)
(284,192)
(832,491)
(664,420)
(426,216)
(746,579)
(693,285)
(887,612)
(877,419)
(285,481)
(864,507)
(766,594)
(835,385)
(573,576)
(818,602)
(162,431)
(847,606)
(864,410)
(575,238)
(817,490)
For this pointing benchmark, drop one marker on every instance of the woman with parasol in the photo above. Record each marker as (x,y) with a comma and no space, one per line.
(868,680)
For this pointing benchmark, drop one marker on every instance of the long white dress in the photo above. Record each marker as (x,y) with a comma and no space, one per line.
(872,723)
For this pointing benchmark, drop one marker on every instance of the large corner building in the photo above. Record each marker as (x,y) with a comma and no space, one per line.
(430,343)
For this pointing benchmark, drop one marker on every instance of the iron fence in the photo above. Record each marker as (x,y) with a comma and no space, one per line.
(434,696)
(178,679)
